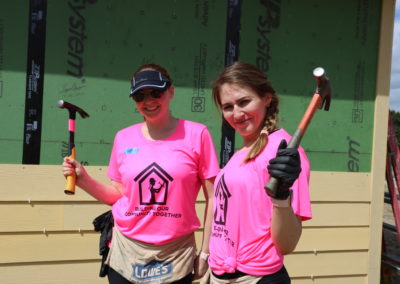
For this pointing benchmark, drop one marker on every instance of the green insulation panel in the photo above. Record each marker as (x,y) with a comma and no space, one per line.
(93,47)
(13,50)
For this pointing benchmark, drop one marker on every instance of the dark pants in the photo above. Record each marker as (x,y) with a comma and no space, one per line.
(280,277)
(115,278)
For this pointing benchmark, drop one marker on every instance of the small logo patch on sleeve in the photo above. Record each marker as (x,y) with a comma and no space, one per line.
(128,151)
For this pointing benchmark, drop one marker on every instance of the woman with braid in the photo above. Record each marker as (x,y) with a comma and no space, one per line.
(251,230)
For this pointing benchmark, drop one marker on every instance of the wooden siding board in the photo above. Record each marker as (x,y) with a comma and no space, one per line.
(340,186)
(327,264)
(333,239)
(53,273)
(49,216)
(75,216)
(81,215)
(45,183)
(331,280)
(41,183)
(80,246)
(339,214)
(87,273)
(50,247)
(298,264)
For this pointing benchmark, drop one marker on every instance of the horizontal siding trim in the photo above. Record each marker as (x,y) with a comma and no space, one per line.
(333,239)
(330,280)
(79,216)
(49,217)
(46,183)
(323,266)
(339,214)
(55,273)
(49,247)
(41,183)
(340,186)
(327,264)
(74,246)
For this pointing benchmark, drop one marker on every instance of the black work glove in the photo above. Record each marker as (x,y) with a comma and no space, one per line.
(286,167)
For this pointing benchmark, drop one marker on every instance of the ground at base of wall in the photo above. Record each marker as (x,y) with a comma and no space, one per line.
(391,245)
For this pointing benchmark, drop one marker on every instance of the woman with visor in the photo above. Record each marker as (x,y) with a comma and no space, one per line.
(156,169)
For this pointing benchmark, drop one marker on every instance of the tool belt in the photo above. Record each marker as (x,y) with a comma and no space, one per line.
(147,263)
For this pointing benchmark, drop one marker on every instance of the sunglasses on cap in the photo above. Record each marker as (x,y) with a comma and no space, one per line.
(155,94)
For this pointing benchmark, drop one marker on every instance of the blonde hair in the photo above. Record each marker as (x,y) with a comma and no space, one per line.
(249,76)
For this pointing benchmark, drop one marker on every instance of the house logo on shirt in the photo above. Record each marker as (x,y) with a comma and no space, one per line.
(153,185)
(222,195)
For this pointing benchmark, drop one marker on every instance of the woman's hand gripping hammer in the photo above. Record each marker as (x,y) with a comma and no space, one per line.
(322,96)
(72,109)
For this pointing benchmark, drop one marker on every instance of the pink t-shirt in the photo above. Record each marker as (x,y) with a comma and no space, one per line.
(161,181)
(241,231)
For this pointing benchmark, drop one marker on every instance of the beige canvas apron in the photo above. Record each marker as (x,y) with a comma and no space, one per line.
(147,264)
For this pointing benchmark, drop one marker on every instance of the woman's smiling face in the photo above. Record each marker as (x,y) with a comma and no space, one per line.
(155,108)
(243,109)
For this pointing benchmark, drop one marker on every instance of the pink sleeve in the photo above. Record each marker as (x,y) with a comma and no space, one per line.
(301,197)
(113,172)
(208,163)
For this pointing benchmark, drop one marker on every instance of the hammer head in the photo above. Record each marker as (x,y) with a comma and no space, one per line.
(323,87)
(72,108)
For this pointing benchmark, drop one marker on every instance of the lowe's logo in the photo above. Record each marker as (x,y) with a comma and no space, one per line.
(151,270)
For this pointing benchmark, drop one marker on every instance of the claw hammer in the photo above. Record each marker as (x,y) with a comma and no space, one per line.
(72,109)
(322,95)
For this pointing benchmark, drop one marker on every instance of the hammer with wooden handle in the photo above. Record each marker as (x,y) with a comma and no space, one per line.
(322,96)
(72,109)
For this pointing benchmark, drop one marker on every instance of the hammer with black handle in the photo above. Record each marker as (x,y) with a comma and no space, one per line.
(72,109)
(321,96)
